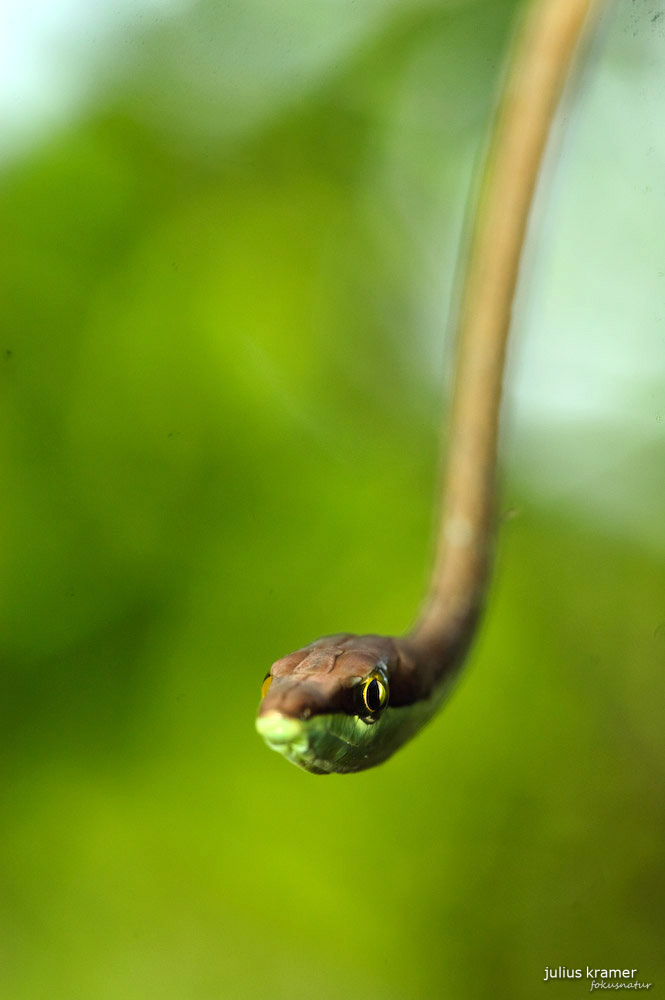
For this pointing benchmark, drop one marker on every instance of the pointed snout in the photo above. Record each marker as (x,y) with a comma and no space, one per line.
(279,730)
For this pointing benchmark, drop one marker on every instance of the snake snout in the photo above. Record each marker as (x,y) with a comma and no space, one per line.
(278,729)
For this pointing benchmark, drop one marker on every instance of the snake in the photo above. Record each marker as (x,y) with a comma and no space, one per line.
(347,702)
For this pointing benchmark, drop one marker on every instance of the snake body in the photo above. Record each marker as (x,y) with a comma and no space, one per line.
(347,702)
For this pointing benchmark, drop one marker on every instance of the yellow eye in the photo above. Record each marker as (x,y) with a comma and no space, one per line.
(374,694)
(267,681)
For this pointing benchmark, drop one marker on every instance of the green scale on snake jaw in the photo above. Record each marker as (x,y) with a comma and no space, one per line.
(324,744)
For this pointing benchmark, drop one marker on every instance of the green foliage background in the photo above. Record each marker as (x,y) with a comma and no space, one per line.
(220,440)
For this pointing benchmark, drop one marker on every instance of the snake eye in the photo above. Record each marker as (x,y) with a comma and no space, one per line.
(267,681)
(373,696)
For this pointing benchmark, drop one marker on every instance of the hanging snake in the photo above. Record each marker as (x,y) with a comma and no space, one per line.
(347,702)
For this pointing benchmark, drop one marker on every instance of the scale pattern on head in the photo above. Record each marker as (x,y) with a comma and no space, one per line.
(321,678)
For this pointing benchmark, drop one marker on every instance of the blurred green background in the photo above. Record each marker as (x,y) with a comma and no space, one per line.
(229,239)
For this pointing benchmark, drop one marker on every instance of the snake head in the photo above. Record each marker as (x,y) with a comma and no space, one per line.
(325,707)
